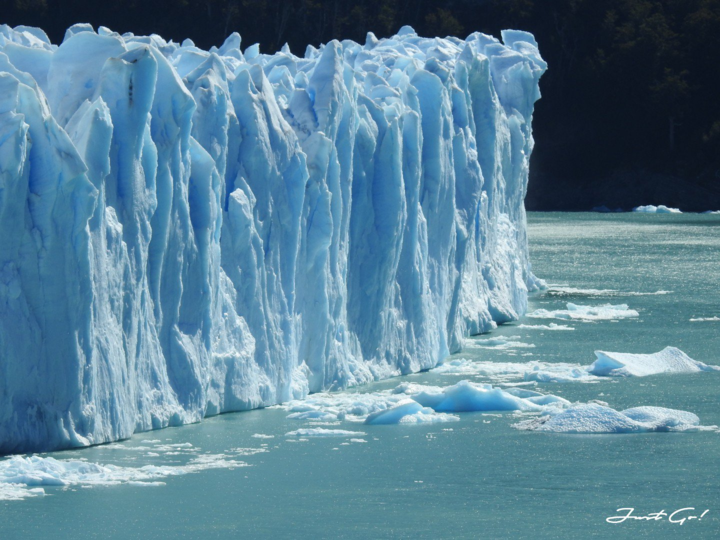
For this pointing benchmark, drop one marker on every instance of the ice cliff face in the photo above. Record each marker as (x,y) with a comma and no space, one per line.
(184,232)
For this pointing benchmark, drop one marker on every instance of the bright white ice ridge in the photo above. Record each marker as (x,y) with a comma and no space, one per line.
(596,418)
(187,232)
(606,312)
(608,364)
(652,209)
(669,360)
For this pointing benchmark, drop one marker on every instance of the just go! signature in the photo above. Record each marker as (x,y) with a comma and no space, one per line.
(678,517)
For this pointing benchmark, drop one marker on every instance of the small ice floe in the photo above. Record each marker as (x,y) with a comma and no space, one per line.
(560,374)
(607,364)
(563,290)
(669,360)
(711,212)
(551,326)
(249,451)
(349,406)
(22,477)
(317,416)
(498,343)
(503,372)
(466,396)
(411,403)
(262,436)
(596,418)
(652,209)
(705,319)
(606,312)
(322,432)
(409,411)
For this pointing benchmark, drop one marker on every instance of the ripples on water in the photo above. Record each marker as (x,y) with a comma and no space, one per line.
(240,475)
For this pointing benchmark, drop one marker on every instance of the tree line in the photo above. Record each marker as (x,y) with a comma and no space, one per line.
(632,86)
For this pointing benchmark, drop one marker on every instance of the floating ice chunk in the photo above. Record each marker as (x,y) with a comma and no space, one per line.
(559,290)
(314,415)
(502,343)
(562,290)
(551,326)
(262,436)
(18,473)
(551,374)
(322,432)
(416,403)
(509,371)
(17,492)
(651,209)
(595,418)
(605,312)
(669,360)
(466,397)
(705,319)
(411,388)
(409,412)
(662,417)
(351,406)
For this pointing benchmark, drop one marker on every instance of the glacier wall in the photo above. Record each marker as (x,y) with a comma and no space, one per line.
(187,232)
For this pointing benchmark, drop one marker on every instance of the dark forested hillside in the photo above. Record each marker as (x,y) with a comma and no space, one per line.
(631,103)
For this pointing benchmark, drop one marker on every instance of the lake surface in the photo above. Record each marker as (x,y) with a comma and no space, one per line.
(479,476)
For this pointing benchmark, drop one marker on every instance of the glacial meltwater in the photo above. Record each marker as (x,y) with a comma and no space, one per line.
(620,283)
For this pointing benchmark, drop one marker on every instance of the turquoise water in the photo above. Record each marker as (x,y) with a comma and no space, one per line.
(478,477)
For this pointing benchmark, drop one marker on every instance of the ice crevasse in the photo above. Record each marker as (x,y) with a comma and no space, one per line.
(188,232)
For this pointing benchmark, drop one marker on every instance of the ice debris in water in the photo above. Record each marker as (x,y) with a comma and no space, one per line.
(669,360)
(409,411)
(563,290)
(323,432)
(551,326)
(498,343)
(608,364)
(596,418)
(705,319)
(651,209)
(188,232)
(510,371)
(606,312)
(22,477)
(414,403)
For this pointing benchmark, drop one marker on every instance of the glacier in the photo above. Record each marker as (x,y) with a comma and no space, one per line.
(190,232)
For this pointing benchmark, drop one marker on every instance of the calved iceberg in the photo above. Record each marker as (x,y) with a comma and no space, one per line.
(596,418)
(669,360)
(188,232)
